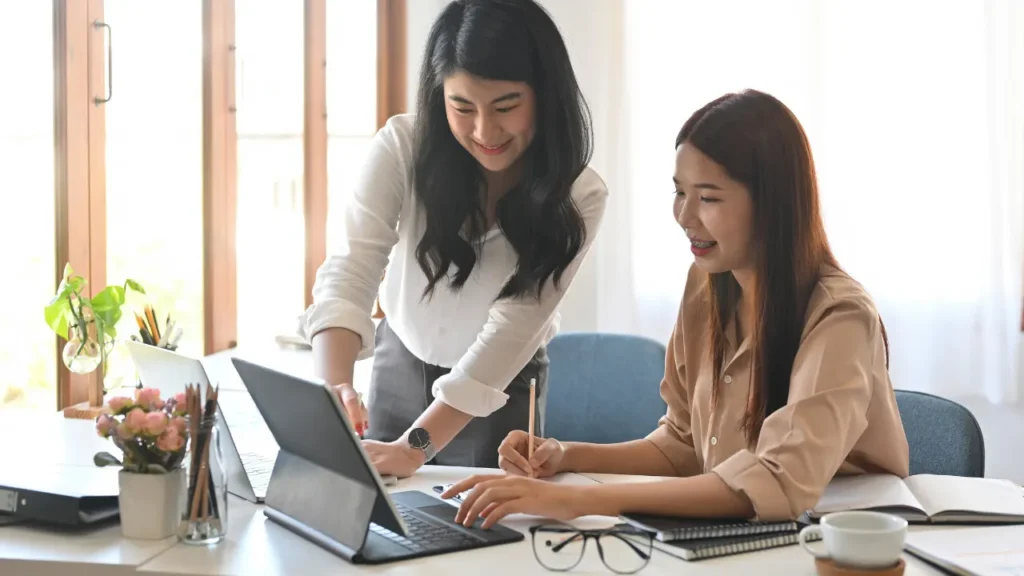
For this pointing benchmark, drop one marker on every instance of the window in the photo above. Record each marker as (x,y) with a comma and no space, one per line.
(270,223)
(28,359)
(190,178)
(154,181)
(351,100)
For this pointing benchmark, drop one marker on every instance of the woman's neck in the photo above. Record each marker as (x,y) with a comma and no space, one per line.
(497,184)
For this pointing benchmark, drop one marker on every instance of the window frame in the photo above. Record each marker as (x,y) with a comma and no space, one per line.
(80,167)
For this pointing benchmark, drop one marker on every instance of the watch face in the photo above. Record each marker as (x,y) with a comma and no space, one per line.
(418,438)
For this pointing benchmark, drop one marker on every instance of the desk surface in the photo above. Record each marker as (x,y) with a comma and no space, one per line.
(255,545)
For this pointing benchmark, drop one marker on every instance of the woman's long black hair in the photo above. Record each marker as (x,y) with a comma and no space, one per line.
(511,40)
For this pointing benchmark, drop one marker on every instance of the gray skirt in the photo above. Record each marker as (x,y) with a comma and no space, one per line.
(400,390)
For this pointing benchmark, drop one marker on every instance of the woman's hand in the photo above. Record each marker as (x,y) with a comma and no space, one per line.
(547,455)
(396,458)
(495,496)
(353,403)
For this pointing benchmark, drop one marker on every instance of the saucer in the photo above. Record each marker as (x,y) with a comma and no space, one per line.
(829,568)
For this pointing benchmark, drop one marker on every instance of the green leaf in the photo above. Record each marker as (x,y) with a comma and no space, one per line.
(109,321)
(110,298)
(67,270)
(56,314)
(68,287)
(129,283)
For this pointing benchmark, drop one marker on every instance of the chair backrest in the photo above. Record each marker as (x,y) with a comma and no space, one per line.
(944,437)
(603,387)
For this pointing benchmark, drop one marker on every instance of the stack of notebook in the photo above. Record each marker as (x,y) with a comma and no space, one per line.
(697,539)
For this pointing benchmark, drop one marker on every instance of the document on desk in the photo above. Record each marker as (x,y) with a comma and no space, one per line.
(981,551)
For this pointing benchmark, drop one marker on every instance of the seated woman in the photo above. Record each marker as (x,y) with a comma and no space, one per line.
(776,374)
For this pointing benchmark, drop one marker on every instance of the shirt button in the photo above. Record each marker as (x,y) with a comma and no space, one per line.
(728,379)
(714,441)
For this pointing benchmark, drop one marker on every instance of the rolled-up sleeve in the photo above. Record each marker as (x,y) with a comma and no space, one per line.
(348,280)
(674,436)
(802,445)
(515,329)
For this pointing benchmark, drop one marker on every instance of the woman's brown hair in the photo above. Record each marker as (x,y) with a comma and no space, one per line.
(758,141)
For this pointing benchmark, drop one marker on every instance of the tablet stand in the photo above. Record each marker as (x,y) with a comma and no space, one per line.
(322,505)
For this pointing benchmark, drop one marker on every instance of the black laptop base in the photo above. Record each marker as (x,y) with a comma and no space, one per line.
(431,526)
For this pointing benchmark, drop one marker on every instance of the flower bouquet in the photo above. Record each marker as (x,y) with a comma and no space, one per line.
(152,435)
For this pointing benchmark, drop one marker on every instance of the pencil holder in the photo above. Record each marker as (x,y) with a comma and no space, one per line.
(205,517)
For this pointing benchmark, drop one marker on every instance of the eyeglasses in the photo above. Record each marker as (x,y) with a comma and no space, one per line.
(560,548)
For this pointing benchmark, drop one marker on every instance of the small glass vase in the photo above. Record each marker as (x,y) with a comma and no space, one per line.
(205,517)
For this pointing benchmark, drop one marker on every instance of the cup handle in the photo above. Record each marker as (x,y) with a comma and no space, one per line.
(802,538)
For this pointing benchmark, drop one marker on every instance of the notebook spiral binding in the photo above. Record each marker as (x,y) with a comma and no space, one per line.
(725,530)
(741,547)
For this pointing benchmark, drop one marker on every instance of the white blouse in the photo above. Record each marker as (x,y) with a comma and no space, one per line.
(485,343)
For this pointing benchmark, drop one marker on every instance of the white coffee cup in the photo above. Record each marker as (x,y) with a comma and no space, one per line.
(869,540)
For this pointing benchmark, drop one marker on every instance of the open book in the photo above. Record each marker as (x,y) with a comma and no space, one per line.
(926,498)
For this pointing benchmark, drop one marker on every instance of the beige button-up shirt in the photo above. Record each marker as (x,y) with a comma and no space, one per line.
(841,417)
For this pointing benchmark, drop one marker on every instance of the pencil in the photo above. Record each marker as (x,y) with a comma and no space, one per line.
(533,404)
(153,328)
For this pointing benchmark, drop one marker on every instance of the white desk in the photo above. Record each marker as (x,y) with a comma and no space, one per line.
(255,545)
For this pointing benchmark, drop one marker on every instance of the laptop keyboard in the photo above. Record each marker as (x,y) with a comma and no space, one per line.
(425,536)
(255,444)
(258,467)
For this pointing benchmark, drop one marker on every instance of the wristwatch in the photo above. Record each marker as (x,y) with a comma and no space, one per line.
(420,440)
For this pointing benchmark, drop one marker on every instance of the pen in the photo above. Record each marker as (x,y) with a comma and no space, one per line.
(533,403)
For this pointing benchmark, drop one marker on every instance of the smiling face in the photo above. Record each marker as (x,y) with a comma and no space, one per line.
(715,211)
(492,119)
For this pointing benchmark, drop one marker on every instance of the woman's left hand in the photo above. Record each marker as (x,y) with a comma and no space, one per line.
(495,496)
(396,458)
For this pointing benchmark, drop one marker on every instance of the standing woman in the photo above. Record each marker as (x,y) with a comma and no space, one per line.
(484,202)
(776,374)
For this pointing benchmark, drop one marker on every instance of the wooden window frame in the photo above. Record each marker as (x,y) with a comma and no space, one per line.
(79,168)
(392,34)
(314,141)
(220,175)
(80,163)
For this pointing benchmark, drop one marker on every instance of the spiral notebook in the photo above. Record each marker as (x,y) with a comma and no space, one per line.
(669,529)
(702,549)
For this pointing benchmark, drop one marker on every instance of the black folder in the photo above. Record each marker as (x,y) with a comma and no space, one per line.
(58,494)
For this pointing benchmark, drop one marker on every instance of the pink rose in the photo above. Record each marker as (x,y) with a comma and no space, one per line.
(149,399)
(135,421)
(156,423)
(178,423)
(179,403)
(105,425)
(170,440)
(124,432)
(118,403)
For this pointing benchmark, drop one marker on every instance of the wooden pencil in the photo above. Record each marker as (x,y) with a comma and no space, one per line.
(533,405)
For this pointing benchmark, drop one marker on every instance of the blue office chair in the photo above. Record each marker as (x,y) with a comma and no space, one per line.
(944,437)
(603,387)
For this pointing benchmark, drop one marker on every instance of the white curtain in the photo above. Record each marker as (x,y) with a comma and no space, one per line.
(915,113)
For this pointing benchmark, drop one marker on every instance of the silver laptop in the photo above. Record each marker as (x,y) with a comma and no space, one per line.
(249,447)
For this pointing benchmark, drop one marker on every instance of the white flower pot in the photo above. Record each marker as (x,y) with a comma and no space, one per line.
(151,505)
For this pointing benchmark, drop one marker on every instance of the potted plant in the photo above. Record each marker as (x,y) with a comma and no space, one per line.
(151,434)
(88,324)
